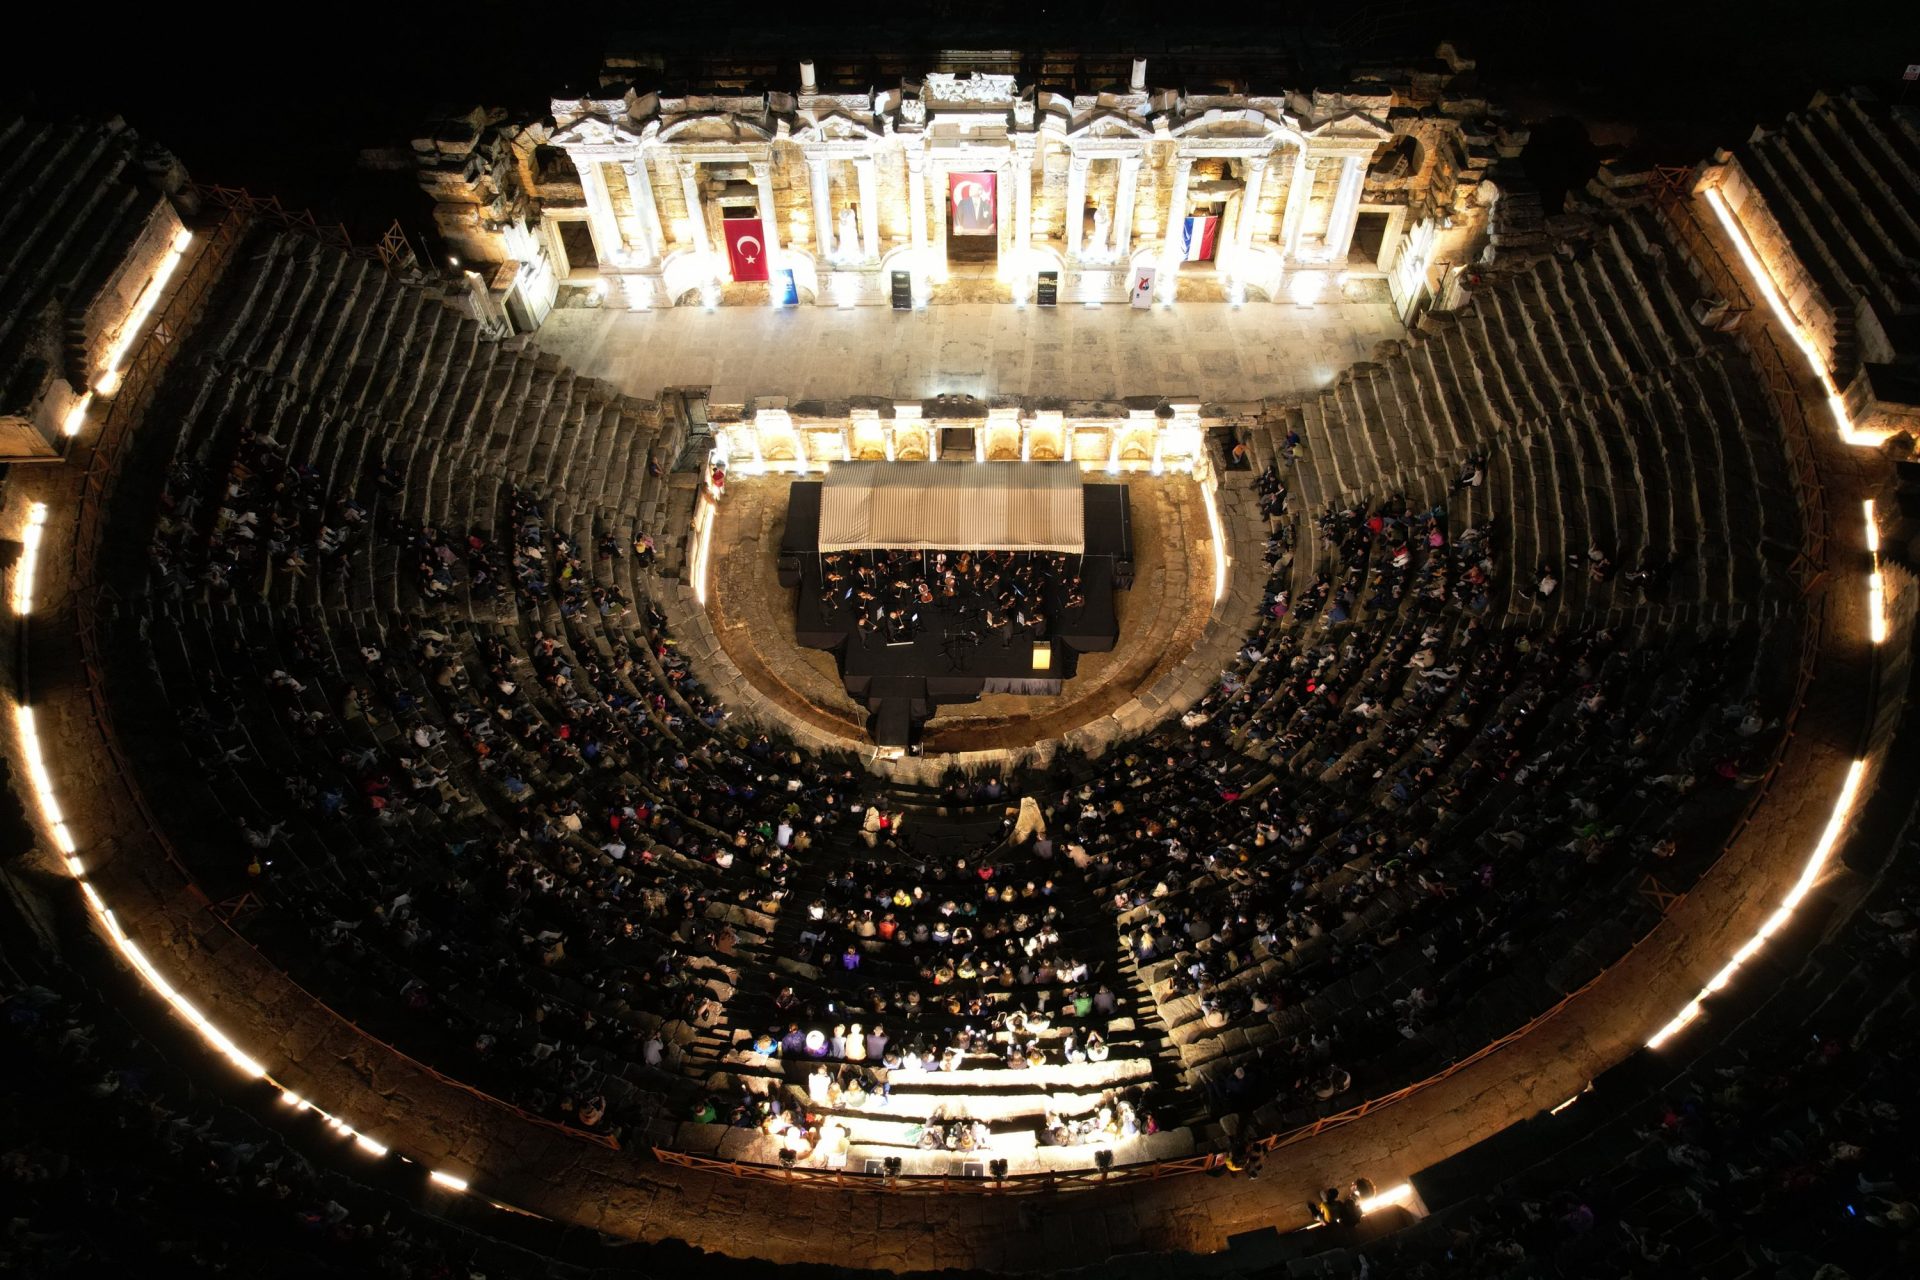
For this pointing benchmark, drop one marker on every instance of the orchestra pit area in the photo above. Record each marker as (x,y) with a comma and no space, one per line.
(478,816)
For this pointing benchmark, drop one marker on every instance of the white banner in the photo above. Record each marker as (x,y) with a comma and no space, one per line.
(1143,286)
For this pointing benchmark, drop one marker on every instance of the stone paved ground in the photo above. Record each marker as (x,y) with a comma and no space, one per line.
(1210,350)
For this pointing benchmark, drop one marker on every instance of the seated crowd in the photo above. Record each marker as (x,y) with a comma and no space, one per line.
(895,595)
(574,882)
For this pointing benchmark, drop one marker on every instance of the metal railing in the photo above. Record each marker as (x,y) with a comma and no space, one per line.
(949,1184)
(393,250)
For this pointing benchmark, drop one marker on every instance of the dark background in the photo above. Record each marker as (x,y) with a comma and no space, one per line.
(282,99)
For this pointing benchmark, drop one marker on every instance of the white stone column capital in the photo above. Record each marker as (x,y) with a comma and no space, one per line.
(1249,211)
(1346,207)
(1299,190)
(1176,220)
(1076,212)
(864,172)
(645,209)
(608,247)
(696,206)
(769,228)
(822,212)
(1124,199)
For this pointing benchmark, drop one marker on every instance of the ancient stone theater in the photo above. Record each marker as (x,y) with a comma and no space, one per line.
(965,676)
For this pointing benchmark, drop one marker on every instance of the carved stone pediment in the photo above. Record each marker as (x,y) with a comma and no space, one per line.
(594,132)
(567,109)
(1108,124)
(835,126)
(1351,125)
(718,127)
(1226,122)
(977,89)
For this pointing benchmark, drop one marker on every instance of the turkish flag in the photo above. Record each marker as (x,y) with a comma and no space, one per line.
(745,248)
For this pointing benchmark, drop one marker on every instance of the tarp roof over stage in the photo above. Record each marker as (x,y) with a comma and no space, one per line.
(988,506)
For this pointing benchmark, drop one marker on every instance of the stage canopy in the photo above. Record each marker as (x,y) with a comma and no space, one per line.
(988,506)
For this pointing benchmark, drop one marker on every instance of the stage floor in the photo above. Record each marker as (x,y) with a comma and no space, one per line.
(1208,350)
(1160,618)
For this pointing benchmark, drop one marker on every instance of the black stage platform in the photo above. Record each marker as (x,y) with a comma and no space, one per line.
(954,658)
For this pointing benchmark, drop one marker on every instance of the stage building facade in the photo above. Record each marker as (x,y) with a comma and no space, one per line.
(971,187)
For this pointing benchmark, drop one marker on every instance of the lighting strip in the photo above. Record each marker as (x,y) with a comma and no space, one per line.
(1876,584)
(136,958)
(1809,874)
(23,578)
(1219,541)
(1394,1195)
(109,380)
(1737,233)
(704,514)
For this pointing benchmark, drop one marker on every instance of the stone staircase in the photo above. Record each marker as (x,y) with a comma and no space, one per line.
(1014,1102)
(1605,415)
(74,203)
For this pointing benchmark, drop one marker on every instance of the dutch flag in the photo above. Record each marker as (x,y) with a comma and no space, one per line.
(1197,238)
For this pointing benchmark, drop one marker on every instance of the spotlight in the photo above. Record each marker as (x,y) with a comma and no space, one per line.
(787,1157)
(1103,1159)
(998,1167)
(893,1165)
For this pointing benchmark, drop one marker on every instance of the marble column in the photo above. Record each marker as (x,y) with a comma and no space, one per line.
(1076,205)
(605,228)
(1346,207)
(938,209)
(1299,191)
(1023,199)
(769,229)
(1250,204)
(1170,255)
(869,209)
(696,207)
(917,200)
(1123,203)
(822,210)
(645,211)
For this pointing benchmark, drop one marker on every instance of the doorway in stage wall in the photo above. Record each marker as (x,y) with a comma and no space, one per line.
(1369,235)
(956,444)
(973,217)
(576,240)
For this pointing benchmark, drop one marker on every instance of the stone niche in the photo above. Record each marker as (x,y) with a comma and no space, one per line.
(1090,442)
(912,442)
(1003,438)
(1047,438)
(869,436)
(826,444)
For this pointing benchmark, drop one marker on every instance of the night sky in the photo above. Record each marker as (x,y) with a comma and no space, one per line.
(282,99)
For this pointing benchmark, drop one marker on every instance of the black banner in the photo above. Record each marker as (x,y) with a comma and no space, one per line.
(903,291)
(1047,294)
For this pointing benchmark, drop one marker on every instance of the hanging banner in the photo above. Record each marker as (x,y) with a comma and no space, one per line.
(788,291)
(971,197)
(1197,238)
(745,249)
(1143,286)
